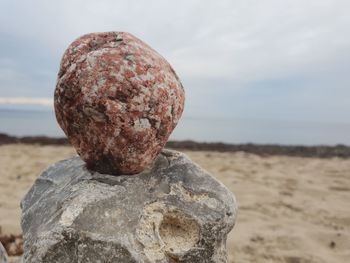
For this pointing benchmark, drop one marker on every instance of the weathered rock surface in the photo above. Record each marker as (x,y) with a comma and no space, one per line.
(3,254)
(117,100)
(172,212)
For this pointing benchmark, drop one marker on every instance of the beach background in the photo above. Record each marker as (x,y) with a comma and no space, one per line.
(266,112)
(291,209)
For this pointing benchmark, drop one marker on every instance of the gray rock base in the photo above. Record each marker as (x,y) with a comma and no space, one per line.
(173,212)
(3,254)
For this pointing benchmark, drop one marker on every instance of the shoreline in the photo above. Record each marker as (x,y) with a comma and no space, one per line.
(320,151)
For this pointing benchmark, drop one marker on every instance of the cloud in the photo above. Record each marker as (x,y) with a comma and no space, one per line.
(241,57)
(27,101)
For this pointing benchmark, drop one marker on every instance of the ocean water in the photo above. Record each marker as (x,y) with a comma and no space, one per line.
(21,122)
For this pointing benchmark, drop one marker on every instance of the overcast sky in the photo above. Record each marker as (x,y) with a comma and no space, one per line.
(271,59)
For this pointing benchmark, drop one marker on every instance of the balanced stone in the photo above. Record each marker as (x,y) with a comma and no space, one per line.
(117,100)
(174,211)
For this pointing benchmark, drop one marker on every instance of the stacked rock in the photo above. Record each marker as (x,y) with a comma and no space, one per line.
(117,100)
(125,199)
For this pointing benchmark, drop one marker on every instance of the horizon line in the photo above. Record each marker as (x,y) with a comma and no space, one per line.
(42,101)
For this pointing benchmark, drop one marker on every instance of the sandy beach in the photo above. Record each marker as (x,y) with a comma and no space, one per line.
(291,209)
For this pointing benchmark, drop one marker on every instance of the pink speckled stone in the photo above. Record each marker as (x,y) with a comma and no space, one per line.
(117,100)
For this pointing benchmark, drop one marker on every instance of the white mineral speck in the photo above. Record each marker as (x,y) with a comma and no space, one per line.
(141,124)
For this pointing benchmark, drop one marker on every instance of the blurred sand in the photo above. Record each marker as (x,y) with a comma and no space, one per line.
(291,209)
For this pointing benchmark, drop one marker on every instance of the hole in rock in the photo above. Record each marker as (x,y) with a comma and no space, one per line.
(179,233)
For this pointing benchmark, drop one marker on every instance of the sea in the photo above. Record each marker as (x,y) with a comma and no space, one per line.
(28,122)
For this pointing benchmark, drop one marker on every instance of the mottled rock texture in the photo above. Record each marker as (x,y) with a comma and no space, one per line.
(117,100)
(172,212)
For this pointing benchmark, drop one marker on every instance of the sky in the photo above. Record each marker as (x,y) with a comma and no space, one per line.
(271,59)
